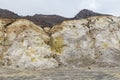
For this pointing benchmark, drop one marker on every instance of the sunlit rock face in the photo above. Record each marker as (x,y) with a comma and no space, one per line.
(93,41)
(27,46)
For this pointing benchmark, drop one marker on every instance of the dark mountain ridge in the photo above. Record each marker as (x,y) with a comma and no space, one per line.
(8,14)
(48,20)
(85,13)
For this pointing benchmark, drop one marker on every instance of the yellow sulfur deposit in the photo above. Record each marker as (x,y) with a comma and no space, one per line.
(57,44)
(105,45)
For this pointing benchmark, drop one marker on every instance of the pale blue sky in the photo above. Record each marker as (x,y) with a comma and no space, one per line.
(67,8)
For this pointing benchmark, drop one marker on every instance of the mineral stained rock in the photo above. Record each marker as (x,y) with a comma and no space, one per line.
(26,46)
(93,41)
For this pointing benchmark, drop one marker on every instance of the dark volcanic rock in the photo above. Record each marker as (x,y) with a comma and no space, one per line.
(85,13)
(46,20)
(8,14)
(38,19)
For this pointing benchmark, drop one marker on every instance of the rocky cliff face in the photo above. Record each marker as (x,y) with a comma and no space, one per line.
(93,41)
(24,45)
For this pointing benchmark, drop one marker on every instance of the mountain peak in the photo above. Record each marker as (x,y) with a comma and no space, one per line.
(84,10)
(85,13)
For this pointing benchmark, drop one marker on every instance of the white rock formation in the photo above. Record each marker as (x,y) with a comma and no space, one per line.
(27,46)
(93,41)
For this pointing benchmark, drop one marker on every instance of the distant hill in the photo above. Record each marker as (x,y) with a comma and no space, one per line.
(48,20)
(8,14)
(85,13)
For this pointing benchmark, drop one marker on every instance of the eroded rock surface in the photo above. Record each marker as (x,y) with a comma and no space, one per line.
(94,41)
(26,46)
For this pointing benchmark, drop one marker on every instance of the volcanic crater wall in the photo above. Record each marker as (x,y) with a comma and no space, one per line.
(93,41)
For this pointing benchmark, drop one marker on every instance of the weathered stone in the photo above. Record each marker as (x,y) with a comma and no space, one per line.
(3,48)
(27,46)
(89,42)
